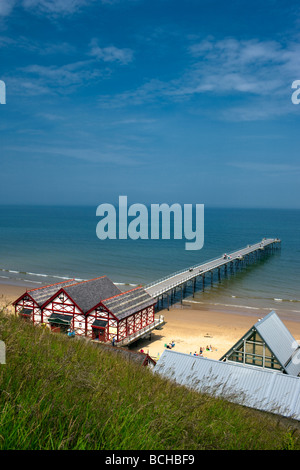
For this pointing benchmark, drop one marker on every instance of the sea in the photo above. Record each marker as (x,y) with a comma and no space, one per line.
(41,245)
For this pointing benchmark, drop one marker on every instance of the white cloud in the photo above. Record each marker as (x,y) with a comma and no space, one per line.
(6,7)
(258,73)
(147,93)
(41,80)
(252,66)
(51,7)
(46,6)
(111,53)
(6,41)
(55,6)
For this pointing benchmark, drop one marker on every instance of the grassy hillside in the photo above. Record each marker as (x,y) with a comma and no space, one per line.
(61,393)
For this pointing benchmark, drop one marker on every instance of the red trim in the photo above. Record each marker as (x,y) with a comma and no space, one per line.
(52,297)
(106,309)
(57,294)
(122,293)
(37,288)
(70,298)
(22,296)
(50,285)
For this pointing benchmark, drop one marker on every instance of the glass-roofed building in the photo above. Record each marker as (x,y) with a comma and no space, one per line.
(268,344)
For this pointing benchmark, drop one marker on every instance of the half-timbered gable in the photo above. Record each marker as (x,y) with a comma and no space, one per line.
(61,313)
(68,307)
(30,304)
(129,311)
(101,324)
(28,308)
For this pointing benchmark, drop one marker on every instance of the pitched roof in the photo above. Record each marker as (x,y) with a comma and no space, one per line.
(128,303)
(251,386)
(278,339)
(41,294)
(87,294)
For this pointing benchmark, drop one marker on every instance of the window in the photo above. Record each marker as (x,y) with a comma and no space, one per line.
(254,351)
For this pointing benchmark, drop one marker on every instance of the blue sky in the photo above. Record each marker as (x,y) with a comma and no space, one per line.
(162,101)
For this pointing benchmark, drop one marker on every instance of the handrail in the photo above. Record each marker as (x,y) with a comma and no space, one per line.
(254,247)
(191,267)
(157,321)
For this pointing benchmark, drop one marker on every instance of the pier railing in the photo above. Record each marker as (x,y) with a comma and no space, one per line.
(181,271)
(158,322)
(207,266)
(184,270)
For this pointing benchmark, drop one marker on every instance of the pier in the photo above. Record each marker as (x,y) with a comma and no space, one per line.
(172,288)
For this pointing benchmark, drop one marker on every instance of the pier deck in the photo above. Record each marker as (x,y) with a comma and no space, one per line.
(169,284)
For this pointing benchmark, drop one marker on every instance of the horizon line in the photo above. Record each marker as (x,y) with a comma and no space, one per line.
(207,206)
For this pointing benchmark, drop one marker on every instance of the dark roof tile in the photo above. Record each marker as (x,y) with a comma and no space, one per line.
(88,294)
(42,294)
(128,303)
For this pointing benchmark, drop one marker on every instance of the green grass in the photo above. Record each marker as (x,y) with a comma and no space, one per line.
(61,393)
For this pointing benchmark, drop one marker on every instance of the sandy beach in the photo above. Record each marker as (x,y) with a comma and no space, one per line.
(9,293)
(190,326)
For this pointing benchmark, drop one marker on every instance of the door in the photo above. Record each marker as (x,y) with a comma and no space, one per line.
(99,333)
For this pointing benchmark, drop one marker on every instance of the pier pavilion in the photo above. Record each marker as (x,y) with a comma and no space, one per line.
(96,309)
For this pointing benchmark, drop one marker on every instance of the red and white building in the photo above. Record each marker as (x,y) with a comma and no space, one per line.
(96,309)
(30,304)
(121,316)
